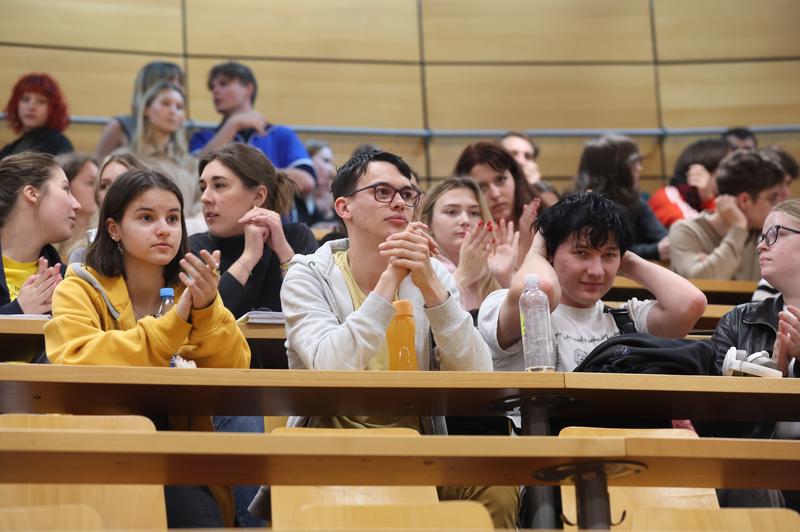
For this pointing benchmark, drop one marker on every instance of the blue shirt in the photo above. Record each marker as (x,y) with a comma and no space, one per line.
(280,144)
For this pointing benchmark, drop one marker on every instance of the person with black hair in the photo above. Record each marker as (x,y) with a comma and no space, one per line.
(612,165)
(740,137)
(233,88)
(721,244)
(582,244)
(693,187)
(338,302)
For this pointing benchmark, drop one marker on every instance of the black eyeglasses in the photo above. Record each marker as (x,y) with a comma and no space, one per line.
(771,236)
(385,193)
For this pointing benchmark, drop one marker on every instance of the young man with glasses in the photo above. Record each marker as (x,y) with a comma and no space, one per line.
(722,244)
(338,301)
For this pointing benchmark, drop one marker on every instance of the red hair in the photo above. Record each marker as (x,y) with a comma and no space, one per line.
(57,116)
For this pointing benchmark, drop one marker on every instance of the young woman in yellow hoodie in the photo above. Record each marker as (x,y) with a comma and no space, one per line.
(103,310)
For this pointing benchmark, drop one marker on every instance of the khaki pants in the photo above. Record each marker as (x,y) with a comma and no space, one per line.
(502,502)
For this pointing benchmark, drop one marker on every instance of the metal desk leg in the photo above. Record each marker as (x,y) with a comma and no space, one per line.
(540,509)
(591,499)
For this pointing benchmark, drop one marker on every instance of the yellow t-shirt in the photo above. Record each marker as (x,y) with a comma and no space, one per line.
(379,362)
(17,273)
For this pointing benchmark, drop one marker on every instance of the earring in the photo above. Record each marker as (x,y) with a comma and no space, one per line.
(119,245)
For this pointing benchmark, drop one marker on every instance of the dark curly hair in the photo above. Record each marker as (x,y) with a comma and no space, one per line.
(57,115)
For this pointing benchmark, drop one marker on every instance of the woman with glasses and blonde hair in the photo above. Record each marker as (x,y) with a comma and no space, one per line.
(479,252)
(772,325)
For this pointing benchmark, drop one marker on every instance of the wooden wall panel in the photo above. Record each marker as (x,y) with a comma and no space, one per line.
(345,29)
(142,25)
(355,95)
(726,94)
(732,29)
(540,30)
(93,83)
(506,97)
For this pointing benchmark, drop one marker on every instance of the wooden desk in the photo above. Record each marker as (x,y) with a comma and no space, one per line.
(21,339)
(55,456)
(97,457)
(152,391)
(616,396)
(263,331)
(130,457)
(717,291)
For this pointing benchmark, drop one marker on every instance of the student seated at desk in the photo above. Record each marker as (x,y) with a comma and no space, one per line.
(721,244)
(581,245)
(338,301)
(243,199)
(104,310)
(36,211)
(772,325)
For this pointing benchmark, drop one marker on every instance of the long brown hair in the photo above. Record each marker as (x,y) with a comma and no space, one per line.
(498,159)
(254,169)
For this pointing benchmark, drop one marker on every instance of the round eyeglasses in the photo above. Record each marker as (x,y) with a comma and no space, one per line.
(771,236)
(385,193)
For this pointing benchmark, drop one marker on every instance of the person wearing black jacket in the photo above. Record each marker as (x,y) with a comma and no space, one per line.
(37,111)
(243,199)
(36,210)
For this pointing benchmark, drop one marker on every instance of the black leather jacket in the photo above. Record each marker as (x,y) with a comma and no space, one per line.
(752,327)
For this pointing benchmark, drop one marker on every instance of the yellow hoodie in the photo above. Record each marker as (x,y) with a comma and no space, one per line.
(93,323)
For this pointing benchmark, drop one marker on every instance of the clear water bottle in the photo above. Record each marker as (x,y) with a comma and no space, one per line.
(537,335)
(167,296)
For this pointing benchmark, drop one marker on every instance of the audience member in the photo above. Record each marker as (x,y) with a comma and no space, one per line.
(721,244)
(81,171)
(365,148)
(693,187)
(789,166)
(38,111)
(612,166)
(502,182)
(740,137)
(243,200)
(582,244)
(525,152)
(317,207)
(234,88)
(480,255)
(160,142)
(121,129)
(547,193)
(338,301)
(114,165)
(104,310)
(36,211)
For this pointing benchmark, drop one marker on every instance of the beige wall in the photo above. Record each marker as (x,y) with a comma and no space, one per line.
(439,64)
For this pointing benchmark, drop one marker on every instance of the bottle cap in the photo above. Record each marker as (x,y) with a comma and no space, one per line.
(166,292)
(403,307)
(531,278)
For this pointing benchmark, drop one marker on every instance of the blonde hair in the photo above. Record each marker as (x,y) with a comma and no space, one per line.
(790,207)
(488,283)
(453,183)
(177,149)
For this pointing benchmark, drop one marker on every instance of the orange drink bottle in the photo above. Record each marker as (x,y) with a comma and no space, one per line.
(400,337)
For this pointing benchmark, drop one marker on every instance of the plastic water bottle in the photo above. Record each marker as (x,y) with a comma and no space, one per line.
(167,302)
(537,335)
(400,337)
(167,296)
